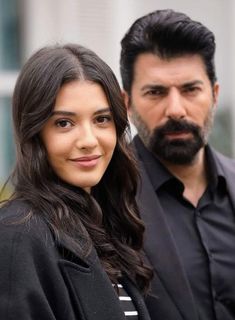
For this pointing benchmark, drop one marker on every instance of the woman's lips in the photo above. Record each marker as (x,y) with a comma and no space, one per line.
(87,161)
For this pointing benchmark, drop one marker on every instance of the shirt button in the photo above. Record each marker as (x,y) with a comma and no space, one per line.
(198,213)
(210,254)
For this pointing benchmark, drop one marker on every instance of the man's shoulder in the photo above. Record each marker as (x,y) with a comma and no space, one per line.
(223,159)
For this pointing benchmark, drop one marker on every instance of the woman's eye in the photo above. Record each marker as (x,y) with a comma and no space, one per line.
(103,119)
(63,123)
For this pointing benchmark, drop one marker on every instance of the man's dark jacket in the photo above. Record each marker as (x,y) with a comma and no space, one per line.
(41,279)
(171,297)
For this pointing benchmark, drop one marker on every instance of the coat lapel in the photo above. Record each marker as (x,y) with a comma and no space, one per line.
(228,167)
(161,250)
(137,298)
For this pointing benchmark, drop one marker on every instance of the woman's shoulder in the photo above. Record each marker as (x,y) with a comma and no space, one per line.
(14,208)
(17,220)
(25,229)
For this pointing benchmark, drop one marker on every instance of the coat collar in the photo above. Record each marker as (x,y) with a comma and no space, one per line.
(137,298)
(161,250)
(92,262)
(227,167)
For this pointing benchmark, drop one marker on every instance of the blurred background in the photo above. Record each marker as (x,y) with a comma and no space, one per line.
(26,25)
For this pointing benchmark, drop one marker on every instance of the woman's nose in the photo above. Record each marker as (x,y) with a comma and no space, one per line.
(87,138)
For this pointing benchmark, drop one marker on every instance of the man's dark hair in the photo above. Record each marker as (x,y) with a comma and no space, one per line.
(168,34)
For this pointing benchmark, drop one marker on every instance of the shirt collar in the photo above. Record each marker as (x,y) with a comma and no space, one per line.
(215,174)
(159,175)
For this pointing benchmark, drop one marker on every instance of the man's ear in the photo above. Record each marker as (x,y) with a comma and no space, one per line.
(127,101)
(216,93)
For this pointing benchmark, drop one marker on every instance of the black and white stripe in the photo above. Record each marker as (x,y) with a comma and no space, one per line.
(127,304)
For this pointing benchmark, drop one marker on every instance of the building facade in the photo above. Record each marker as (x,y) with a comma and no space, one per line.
(26,25)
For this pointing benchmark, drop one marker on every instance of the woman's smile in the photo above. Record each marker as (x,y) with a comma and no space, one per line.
(80,135)
(87,161)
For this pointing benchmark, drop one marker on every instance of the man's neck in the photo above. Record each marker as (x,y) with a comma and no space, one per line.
(193,176)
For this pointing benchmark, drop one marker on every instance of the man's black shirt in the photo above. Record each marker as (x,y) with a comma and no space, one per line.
(204,235)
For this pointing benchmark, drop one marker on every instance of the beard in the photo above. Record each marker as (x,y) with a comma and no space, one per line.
(177,150)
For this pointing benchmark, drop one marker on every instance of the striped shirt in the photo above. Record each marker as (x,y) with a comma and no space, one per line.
(127,304)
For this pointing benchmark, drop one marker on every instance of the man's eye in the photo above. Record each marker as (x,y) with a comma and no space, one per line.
(192,89)
(155,92)
(63,123)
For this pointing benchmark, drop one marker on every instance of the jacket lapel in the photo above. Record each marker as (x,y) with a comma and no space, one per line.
(137,298)
(228,167)
(161,250)
(86,280)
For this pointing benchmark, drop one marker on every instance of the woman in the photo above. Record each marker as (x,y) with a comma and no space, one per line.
(70,236)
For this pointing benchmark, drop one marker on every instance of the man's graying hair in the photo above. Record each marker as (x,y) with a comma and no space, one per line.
(168,34)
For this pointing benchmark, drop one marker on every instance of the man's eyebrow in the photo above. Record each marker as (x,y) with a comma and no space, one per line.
(162,87)
(153,87)
(191,83)
(70,113)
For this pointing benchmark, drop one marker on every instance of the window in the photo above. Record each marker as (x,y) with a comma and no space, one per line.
(9,65)
(9,35)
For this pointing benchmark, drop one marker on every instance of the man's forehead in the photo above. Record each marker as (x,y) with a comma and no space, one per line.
(183,69)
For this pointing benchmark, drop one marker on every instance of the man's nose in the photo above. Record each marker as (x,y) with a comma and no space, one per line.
(175,108)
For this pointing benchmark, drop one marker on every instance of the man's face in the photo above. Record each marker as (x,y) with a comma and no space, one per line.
(172,104)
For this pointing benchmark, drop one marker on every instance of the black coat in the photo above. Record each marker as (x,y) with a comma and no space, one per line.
(171,297)
(38,283)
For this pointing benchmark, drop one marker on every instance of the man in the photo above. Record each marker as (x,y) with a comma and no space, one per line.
(187,193)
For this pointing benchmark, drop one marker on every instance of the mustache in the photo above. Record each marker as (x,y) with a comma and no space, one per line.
(176,126)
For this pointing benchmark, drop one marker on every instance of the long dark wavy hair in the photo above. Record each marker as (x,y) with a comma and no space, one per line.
(107,218)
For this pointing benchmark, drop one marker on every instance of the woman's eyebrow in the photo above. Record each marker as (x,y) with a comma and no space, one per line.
(102,110)
(70,113)
(63,113)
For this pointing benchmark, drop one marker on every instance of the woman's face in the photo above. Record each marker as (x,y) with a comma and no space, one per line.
(80,136)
